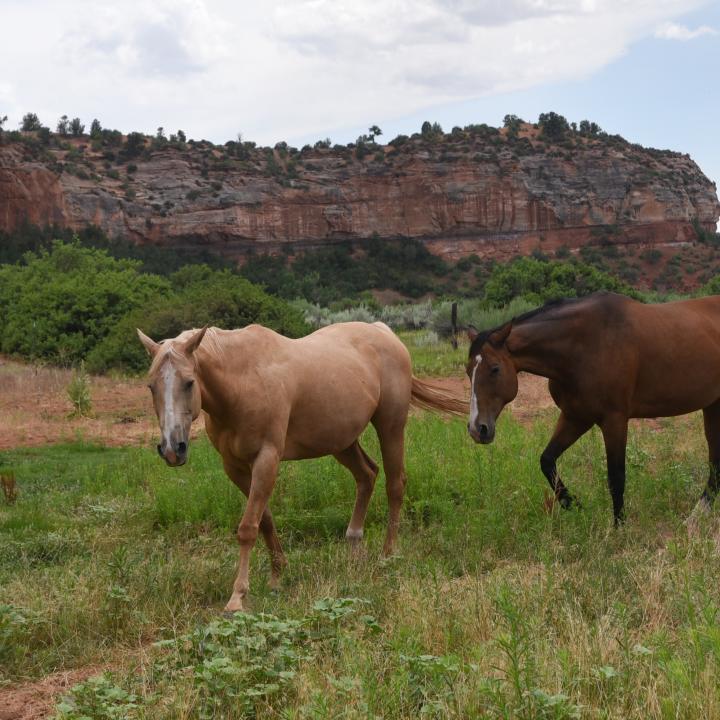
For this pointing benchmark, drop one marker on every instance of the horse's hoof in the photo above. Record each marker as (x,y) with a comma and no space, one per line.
(354,536)
(567,502)
(234,605)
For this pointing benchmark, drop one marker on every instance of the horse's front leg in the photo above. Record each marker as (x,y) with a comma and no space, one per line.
(264,473)
(240,474)
(614,429)
(567,432)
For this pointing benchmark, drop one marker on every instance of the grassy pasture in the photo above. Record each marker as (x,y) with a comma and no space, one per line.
(493,607)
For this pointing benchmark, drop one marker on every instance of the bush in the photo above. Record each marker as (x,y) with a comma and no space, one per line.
(83,294)
(553,126)
(538,281)
(332,273)
(30,122)
(91,304)
(153,259)
(198,296)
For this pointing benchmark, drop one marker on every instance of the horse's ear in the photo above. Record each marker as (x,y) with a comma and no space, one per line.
(150,345)
(193,342)
(500,336)
(472,332)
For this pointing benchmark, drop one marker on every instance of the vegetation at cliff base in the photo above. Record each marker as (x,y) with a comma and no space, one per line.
(71,303)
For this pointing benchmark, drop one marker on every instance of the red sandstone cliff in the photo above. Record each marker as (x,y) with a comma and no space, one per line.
(466,192)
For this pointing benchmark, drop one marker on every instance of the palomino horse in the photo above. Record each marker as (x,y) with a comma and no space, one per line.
(267,398)
(608,358)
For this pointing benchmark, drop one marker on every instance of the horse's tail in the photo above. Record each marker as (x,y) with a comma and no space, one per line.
(430,396)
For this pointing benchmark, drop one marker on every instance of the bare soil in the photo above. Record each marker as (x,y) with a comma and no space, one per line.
(35,409)
(36,700)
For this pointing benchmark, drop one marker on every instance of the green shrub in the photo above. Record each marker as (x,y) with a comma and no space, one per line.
(341,271)
(153,259)
(98,698)
(199,296)
(61,302)
(91,304)
(538,281)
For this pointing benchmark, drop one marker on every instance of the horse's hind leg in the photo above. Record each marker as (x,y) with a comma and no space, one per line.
(614,429)
(711,416)
(392,444)
(567,432)
(241,476)
(364,470)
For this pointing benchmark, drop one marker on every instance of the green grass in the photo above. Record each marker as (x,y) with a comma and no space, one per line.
(492,608)
(432,356)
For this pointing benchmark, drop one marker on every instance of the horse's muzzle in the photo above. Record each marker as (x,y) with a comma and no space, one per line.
(174,457)
(481,433)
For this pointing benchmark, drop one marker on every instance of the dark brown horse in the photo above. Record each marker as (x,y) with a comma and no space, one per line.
(608,359)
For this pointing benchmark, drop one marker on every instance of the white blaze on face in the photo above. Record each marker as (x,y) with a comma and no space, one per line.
(473,398)
(169,415)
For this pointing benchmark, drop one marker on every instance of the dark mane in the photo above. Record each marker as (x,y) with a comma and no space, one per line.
(546,309)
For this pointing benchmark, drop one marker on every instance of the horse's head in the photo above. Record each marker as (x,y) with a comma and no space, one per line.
(175,392)
(493,381)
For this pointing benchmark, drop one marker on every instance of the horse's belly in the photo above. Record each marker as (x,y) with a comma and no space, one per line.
(670,403)
(318,428)
(326,436)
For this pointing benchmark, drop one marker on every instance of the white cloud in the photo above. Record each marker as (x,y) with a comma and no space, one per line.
(284,69)
(672,31)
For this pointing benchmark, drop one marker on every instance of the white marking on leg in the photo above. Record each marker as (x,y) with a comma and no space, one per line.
(169,378)
(351,534)
(473,397)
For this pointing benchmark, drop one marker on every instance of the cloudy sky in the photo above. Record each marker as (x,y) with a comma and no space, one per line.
(300,70)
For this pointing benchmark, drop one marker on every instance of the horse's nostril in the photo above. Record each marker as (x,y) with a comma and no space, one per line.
(483,430)
(159,449)
(182,448)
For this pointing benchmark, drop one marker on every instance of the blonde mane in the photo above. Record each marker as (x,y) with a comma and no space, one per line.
(211,346)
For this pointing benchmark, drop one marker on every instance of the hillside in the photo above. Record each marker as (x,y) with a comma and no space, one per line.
(479,190)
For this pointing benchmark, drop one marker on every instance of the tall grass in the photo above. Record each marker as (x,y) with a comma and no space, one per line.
(492,608)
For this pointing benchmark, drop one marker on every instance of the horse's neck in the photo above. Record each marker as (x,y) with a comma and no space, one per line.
(213,373)
(541,347)
(232,368)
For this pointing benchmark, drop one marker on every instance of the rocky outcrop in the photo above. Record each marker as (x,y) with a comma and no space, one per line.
(472,191)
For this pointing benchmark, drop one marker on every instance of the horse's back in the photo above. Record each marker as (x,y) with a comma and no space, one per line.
(363,340)
(677,350)
(344,376)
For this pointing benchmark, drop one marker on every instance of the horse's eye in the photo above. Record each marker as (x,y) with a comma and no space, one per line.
(189,384)
(495,369)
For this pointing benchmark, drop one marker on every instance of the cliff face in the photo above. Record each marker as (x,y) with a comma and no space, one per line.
(463,193)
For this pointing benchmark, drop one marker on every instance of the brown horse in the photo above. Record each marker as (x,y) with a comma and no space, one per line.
(267,398)
(608,358)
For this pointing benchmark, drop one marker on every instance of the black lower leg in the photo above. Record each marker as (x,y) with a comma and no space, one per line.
(616,483)
(549,468)
(713,485)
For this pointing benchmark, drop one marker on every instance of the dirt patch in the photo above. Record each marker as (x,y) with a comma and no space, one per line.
(35,700)
(35,409)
